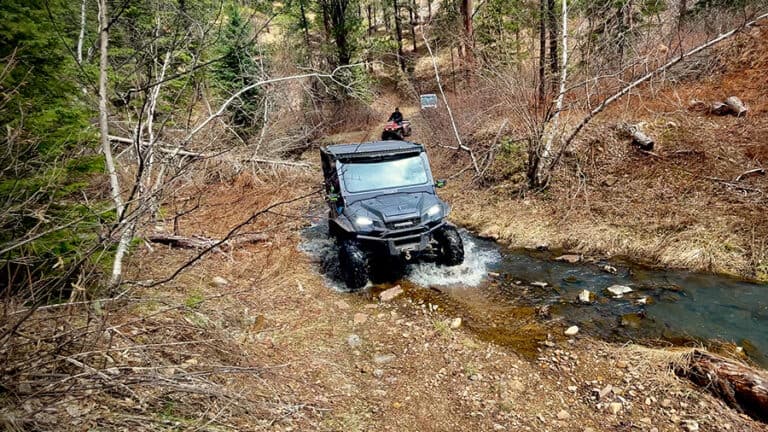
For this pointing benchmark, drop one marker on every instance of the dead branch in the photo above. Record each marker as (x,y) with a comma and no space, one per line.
(199,242)
(460,145)
(756,171)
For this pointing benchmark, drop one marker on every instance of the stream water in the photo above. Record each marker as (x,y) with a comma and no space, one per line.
(500,294)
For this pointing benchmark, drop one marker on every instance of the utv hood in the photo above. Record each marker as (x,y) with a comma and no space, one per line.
(394,207)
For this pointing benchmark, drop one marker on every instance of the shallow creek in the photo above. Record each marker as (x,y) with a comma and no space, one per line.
(520,298)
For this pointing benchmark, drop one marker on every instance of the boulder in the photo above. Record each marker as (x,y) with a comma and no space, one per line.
(618,291)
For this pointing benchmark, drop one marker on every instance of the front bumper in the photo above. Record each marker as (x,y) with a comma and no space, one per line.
(396,242)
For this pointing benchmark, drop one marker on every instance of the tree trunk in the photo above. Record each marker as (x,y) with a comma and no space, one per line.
(542,51)
(411,15)
(340,31)
(466,16)
(81,36)
(117,265)
(370,22)
(541,170)
(429,9)
(304,25)
(399,35)
(741,387)
(554,56)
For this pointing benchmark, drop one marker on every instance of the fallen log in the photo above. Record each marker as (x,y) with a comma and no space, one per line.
(639,138)
(199,242)
(732,105)
(738,385)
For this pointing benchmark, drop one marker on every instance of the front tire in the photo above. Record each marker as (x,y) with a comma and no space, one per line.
(353,264)
(450,246)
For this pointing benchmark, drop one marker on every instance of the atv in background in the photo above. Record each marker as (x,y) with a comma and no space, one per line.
(384,207)
(396,131)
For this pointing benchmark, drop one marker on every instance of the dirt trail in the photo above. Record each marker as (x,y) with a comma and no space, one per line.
(347,362)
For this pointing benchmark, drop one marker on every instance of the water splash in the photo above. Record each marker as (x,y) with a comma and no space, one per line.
(323,249)
(470,273)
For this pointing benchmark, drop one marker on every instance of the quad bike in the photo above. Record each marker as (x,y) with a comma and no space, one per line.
(396,131)
(383,207)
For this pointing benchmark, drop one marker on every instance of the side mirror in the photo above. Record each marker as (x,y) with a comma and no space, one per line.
(441,183)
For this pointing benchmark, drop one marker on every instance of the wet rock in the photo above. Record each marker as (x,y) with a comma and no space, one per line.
(563,415)
(569,258)
(542,246)
(571,279)
(631,320)
(455,323)
(219,281)
(539,284)
(615,407)
(618,291)
(354,340)
(391,293)
(586,296)
(341,304)
(572,330)
(690,425)
(609,269)
(493,274)
(360,318)
(383,358)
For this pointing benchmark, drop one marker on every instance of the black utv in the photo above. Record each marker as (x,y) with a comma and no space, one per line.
(383,206)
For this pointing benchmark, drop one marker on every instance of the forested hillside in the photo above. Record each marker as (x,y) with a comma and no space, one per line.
(160,176)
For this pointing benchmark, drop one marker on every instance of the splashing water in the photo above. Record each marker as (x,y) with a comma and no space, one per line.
(322,248)
(470,273)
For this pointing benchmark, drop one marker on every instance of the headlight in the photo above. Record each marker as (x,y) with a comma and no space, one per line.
(434,210)
(363,221)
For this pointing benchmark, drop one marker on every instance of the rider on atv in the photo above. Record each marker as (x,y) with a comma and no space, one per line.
(396,116)
(396,128)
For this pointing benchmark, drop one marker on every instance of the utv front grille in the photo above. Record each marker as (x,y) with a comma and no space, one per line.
(404,224)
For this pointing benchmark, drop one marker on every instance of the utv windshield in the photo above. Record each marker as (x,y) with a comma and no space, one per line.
(368,176)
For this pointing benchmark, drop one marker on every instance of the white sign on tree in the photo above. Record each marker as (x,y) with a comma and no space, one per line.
(428,101)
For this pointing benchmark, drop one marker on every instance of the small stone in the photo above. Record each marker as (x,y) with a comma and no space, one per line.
(609,269)
(354,340)
(690,425)
(542,246)
(383,358)
(539,284)
(605,392)
(569,258)
(360,318)
(572,330)
(498,427)
(572,389)
(563,415)
(666,403)
(341,304)
(618,291)
(475,377)
(622,364)
(646,420)
(219,281)
(615,407)
(585,296)
(493,274)
(378,373)
(391,293)
(455,323)
(642,300)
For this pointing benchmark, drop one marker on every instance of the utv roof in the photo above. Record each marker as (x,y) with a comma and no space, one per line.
(372,149)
